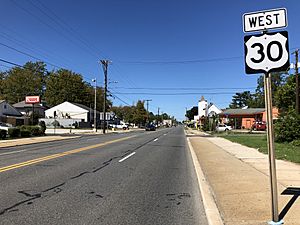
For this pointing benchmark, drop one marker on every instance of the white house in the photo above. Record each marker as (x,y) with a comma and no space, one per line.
(206,110)
(213,110)
(68,110)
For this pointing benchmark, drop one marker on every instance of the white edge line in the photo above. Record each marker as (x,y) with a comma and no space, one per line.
(211,210)
(9,153)
(155,139)
(126,157)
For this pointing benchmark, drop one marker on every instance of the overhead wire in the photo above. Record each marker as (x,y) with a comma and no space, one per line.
(184,88)
(184,61)
(64,25)
(29,55)
(175,94)
(49,25)
(35,48)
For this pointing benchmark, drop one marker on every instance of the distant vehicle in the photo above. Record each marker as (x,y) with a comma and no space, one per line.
(4,126)
(150,127)
(223,127)
(121,125)
(259,125)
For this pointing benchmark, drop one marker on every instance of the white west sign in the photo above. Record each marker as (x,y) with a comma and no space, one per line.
(265,20)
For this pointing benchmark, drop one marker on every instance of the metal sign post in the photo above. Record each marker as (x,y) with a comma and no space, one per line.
(266,53)
(271,149)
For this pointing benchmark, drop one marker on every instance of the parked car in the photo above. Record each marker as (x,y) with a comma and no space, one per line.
(122,125)
(4,126)
(223,127)
(150,127)
(259,125)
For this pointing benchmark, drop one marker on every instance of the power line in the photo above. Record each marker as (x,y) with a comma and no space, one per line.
(64,26)
(120,99)
(184,61)
(38,51)
(29,55)
(11,63)
(176,94)
(18,65)
(183,88)
(51,27)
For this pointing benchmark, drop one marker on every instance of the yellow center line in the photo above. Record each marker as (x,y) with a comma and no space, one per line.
(57,155)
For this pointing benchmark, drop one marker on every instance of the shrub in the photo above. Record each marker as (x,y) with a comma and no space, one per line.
(25,133)
(33,130)
(296,143)
(3,134)
(14,132)
(42,125)
(287,127)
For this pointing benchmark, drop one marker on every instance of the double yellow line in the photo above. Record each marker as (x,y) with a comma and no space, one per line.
(58,155)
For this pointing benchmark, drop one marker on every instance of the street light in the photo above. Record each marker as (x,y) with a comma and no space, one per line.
(95,104)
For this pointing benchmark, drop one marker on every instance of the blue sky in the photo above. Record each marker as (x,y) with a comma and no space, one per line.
(152,44)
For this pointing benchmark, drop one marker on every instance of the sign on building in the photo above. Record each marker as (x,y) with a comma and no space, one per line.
(32,99)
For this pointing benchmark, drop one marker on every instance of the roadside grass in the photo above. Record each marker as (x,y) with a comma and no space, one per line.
(285,151)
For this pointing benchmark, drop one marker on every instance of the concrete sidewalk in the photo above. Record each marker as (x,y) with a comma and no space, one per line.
(239,180)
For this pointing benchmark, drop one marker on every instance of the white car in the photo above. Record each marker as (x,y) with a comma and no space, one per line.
(223,127)
(4,126)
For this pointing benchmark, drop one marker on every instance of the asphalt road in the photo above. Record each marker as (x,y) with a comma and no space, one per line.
(135,178)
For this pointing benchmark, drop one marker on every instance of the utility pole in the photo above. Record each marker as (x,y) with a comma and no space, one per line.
(297,81)
(148,100)
(95,105)
(104,66)
(157,116)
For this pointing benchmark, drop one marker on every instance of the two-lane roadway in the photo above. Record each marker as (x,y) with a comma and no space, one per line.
(135,178)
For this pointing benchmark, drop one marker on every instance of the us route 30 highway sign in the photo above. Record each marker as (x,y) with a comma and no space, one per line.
(266,53)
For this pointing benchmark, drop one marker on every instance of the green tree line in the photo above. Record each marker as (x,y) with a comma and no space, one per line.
(54,87)
(137,114)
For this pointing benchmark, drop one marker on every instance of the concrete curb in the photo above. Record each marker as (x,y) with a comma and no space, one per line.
(32,141)
(211,209)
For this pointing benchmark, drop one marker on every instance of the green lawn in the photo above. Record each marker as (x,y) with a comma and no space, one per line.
(284,151)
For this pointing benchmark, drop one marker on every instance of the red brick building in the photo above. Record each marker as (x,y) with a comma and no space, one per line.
(244,118)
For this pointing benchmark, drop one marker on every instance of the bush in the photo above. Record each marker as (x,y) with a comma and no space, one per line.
(3,134)
(33,130)
(42,125)
(25,133)
(14,132)
(287,128)
(296,143)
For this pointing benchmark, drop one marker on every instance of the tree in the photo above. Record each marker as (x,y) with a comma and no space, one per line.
(20,82)
(285,96)
(191,113)
(242,99)
(140,113)
(277,80)
(2,76)
(287,127)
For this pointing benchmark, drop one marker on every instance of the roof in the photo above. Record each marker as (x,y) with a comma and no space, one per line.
(2,101)
(22,104)
(82,106)
(249,111)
